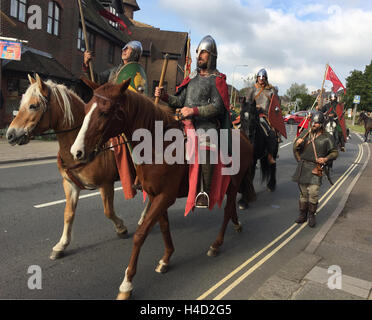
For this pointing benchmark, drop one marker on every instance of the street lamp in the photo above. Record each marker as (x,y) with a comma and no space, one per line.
(232,84)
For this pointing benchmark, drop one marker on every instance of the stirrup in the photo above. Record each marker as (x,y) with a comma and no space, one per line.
(202,204)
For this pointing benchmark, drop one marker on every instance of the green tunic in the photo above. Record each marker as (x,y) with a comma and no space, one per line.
(325,147)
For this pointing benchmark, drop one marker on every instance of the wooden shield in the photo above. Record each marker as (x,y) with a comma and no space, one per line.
(138,77)
(341,118)
(275,116)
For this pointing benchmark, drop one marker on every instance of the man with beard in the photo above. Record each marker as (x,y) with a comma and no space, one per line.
(203,97)
(313,148)
(261,94)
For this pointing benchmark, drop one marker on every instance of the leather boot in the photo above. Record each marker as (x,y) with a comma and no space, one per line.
(304,206)
(312,211)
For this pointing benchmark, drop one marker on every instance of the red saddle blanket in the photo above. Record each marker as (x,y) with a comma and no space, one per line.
(219,183)
(125,166)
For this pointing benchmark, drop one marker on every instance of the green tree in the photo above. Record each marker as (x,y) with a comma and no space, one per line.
(296,89)
(360,83)
(306,100)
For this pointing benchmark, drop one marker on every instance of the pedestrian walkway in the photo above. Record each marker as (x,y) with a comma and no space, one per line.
(34,150)
(336,265)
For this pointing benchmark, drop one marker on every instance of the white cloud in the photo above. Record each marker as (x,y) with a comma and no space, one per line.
(293,45)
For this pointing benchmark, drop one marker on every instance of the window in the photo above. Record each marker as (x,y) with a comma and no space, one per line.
(18,9)
(54,18)
(111,53)
(113,11)
(81,40)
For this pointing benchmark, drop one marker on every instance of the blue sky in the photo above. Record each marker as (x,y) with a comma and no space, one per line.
(293,40)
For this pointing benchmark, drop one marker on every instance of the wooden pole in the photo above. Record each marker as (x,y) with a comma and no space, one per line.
(320,105)
(162,76)
(86,39)
(188,58)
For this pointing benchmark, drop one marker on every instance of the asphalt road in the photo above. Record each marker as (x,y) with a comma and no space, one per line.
(94,264)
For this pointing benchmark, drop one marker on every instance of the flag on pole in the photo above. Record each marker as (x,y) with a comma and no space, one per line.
(110,16)
(187,69)
(331,76)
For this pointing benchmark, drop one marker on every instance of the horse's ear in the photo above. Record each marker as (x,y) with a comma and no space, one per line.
(89,83)
(31,79)
(42,87)
(124,85)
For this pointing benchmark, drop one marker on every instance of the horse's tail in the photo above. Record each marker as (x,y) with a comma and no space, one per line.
(265,169)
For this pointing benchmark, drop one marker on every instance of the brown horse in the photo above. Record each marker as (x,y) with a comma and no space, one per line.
(367,124)
(47,105)
(113,110)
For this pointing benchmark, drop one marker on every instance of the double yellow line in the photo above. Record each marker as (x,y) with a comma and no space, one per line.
(331,191)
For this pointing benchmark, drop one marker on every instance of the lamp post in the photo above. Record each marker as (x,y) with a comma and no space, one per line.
(232,84)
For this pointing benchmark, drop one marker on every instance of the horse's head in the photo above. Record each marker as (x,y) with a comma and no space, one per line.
(248,117)
(30,118)
(103,120)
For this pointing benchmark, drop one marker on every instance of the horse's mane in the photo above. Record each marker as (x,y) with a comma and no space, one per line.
(143,110)
(60,92)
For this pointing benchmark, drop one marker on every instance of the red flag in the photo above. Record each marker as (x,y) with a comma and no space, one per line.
(331,76)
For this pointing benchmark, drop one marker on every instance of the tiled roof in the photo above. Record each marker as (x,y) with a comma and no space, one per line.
(165,41)
(132,3)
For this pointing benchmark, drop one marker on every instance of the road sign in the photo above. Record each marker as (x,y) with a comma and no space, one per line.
(356,99)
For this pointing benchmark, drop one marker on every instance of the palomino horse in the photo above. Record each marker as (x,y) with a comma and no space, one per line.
(47,105)
(250,125)
(113,110)
(367,124)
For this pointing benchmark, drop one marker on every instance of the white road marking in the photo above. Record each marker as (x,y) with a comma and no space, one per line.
(53,203)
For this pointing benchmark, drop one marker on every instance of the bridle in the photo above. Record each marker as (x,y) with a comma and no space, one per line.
(47,110)
(99,145)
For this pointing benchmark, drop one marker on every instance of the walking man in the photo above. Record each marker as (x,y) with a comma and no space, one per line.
(313,148)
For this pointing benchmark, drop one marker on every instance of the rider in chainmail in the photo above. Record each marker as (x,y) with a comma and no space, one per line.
(261,94)
(201,101)
(329,110)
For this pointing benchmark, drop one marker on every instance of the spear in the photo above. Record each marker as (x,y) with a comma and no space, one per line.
(85,38)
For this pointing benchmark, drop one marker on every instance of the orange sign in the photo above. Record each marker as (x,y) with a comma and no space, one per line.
(10,50)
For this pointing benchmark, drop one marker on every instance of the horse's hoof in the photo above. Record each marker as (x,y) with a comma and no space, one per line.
(243,205)
(238,227)
(162,267)
(56,255)
(212,252)
(270,189)
(124,295)
(123,234)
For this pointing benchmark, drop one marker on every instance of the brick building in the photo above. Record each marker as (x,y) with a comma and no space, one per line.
(56,50)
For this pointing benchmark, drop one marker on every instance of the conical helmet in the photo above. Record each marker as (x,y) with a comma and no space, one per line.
(208,44)
(136,50)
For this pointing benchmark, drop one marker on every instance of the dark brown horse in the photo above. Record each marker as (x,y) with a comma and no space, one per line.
(48,105)
(367,124)
(113,110)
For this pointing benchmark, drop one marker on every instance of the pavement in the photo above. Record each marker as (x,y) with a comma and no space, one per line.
(336,265)
(34,150)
